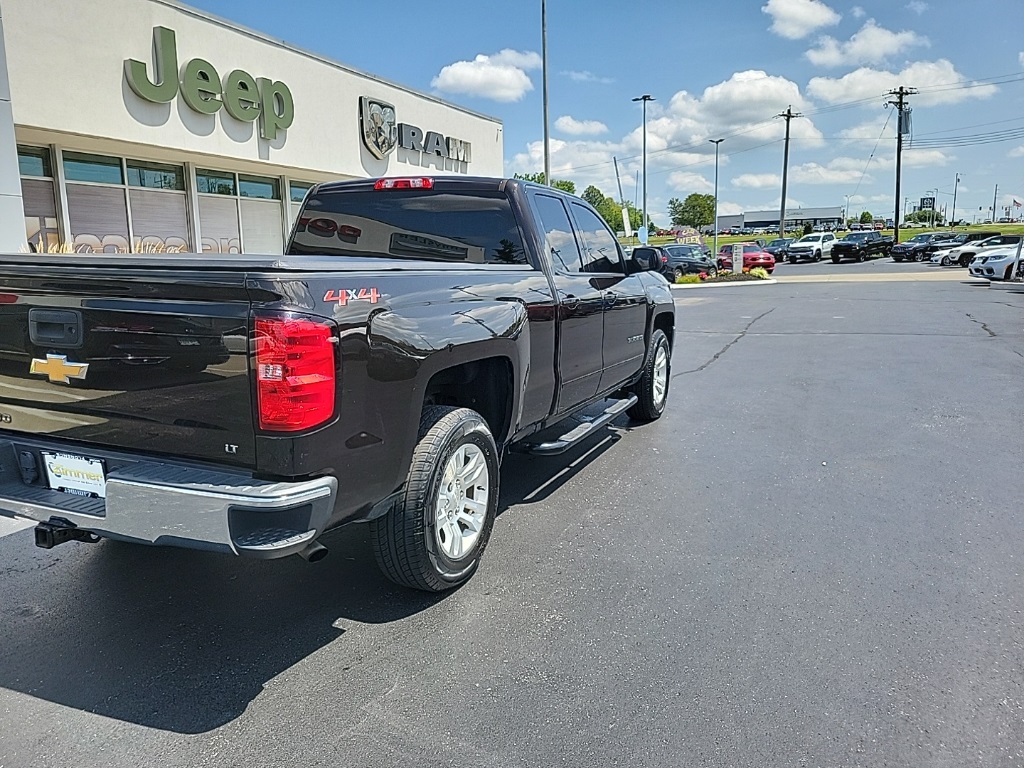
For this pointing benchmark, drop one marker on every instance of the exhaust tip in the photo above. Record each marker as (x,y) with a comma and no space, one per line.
(313,552)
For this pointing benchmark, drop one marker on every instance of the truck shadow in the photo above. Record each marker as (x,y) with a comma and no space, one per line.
(184,641)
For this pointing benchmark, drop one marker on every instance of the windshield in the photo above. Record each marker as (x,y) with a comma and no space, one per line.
(473,227)
(858,236)
(919,238)
(779,242)
(810,239)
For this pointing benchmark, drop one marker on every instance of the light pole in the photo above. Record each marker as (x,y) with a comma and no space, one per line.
(957,184)
(716,142)
(846,213)
(934,193)
(643,214)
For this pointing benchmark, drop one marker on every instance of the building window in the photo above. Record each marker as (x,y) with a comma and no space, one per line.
(37,196)
(215,182)
(34,161)
(156,175)
(260,187)
(99,169)
(298,190)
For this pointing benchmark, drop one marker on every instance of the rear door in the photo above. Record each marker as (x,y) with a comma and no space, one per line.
(580,310)
(127,358)
(625,305)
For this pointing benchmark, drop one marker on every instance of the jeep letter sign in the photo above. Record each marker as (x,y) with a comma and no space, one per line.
(244,97)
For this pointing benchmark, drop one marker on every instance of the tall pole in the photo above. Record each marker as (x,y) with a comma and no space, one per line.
(716,142)
(644,99)
(787,116)
(902,127)
(994,196)
(952,218)
(846,213)
(544,77)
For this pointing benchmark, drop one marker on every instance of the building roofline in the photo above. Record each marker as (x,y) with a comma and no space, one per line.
(262,37)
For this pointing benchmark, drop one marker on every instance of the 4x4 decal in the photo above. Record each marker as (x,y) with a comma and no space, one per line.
(343,296)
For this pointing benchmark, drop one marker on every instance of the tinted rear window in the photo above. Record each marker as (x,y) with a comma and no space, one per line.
(476,227)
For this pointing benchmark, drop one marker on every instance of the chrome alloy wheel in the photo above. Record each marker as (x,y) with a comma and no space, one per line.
(660,376)
(462,502)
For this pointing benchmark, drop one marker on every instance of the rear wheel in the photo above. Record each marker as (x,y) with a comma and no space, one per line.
(434,536)
(965,261)
(897,259)
(652,389)
(680,272)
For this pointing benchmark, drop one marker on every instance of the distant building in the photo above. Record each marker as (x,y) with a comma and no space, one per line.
(830,217)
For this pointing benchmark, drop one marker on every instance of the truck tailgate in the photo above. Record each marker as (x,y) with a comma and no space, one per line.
(123,356)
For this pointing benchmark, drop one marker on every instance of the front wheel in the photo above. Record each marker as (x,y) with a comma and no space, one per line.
(652,389)
(835,259)
(945,261)
(965,261)
(817,255)
(897,259)
(433,538)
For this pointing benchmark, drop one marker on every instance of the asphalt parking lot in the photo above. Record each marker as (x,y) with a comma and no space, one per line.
(814,558)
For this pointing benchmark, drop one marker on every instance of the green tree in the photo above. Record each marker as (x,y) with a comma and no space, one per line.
(866,217)
(594,196)
(539,178)
(695,211)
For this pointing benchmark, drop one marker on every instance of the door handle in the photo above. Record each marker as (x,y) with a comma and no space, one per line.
(570,301)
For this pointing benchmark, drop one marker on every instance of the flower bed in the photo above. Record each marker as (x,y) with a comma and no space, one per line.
(757,273)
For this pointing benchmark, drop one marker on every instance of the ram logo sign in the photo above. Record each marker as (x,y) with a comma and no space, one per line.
(382,133)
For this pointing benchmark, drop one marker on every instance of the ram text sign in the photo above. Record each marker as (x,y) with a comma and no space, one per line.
(382,132)
(244,97)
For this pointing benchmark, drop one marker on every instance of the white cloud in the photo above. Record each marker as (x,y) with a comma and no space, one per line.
(683,181)
(917,7)
(585,76)
(857,12)
(500,76)
(871,45)
(814,173)
(865,83)
(727,208)
(795,19)
(757,180)
(1017,151)
(924,158)
(574,127)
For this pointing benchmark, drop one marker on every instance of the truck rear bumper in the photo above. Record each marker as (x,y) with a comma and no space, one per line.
(174,504)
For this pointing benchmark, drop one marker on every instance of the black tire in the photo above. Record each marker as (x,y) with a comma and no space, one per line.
(945,261)
(792,259)
(897,259)
(713,272)
(835,259)
(647,407)
(965,261)
(404,540)
(679,271)
(817,255)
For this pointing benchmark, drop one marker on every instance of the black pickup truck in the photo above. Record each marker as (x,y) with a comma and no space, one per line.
(415,331)
(861,246)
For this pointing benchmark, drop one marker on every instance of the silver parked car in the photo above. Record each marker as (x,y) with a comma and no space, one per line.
(995,264)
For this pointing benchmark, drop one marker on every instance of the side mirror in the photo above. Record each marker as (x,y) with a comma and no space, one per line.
(645,261)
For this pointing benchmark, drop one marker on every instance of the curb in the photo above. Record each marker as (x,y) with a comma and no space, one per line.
(680,287)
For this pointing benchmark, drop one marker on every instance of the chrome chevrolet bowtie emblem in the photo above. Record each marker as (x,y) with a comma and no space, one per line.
(378,126)
(58,369)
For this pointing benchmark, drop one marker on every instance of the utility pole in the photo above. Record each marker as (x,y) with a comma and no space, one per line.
(787,116)
(994,196)
(544,51)
(644,99)
(952,217)
(902,127)
(716,142)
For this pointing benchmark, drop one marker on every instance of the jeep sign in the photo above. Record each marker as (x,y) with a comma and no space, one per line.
(244,97)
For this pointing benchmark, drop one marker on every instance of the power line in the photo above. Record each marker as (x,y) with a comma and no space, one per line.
(870,158)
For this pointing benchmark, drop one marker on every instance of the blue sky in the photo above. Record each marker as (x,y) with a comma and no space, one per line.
(716,70)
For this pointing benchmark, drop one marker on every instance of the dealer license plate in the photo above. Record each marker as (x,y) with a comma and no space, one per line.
(76,475)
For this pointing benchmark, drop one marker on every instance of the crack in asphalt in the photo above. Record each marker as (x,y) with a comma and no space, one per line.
(726,348)
(984,327)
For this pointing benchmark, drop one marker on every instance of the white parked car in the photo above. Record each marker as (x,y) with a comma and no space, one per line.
(963,253)
(994,264)
(811,247)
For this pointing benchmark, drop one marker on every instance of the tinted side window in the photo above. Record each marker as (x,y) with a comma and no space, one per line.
(558,232)
(600,248)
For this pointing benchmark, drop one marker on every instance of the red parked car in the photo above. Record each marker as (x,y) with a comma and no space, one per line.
(753,256)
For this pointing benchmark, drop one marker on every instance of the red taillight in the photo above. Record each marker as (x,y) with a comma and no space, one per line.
(295,373)
(664,259)
(419,182)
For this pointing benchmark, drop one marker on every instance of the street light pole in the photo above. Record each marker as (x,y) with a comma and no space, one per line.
(644,99)
(716,142)
(846,213)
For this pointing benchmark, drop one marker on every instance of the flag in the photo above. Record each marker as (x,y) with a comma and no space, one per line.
(1016,203)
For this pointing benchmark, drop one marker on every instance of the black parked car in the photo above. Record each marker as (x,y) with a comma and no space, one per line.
(679,260)
(778,247)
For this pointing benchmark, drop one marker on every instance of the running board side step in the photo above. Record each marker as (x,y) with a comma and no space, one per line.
(580,432)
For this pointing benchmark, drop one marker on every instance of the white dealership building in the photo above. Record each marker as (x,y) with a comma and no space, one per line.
(149,126)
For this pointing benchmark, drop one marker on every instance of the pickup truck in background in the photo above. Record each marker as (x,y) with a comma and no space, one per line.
(415,331)
(861,246)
